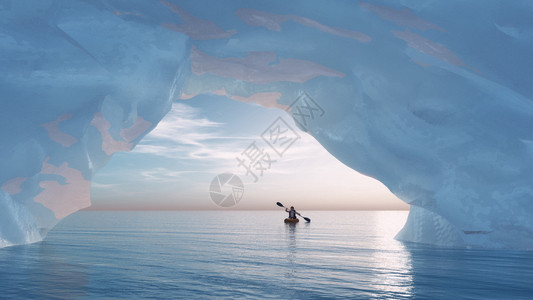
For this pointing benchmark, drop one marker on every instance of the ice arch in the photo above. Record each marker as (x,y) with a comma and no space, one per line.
(433,99)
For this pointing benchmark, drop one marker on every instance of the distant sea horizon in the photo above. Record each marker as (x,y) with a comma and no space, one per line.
(226,209)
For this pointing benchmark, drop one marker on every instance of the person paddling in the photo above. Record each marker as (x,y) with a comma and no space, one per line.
(292,213)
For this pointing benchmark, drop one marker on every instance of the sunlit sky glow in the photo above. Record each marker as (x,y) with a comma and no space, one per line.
(173,166)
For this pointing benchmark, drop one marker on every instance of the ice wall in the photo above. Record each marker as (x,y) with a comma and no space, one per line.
(432,98)
(79,81)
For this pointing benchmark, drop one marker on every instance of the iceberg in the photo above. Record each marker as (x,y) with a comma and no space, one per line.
(433,98)
(80,81)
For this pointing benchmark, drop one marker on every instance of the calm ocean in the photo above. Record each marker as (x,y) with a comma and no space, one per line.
(236,254)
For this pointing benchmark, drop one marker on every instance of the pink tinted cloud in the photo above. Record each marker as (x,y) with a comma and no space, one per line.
(265,99)
(12,186)
(402,17)
(256,68)
(256,17)
(429,47)
(355,35)
(56,135)
(273,22)
(194,27)
(109,144)
(139,127)
(64,199)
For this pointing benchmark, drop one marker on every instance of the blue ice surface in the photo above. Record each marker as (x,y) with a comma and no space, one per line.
(253,255)
(433,98)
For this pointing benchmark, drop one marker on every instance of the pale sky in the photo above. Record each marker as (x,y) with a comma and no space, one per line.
(173,166)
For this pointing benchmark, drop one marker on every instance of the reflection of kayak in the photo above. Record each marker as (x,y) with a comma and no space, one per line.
(292,220)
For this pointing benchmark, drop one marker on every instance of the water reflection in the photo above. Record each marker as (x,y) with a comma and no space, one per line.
(471,273)
(290,230)
(349,255)
(355,252)
(393,261)
(38,271)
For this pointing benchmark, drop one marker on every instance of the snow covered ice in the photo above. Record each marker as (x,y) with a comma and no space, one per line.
(433,98)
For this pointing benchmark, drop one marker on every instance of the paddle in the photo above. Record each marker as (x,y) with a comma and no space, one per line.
(306,219)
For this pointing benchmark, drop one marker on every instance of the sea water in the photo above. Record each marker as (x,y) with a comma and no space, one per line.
(254,255)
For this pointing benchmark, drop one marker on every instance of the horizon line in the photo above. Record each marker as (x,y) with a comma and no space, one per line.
(226,209)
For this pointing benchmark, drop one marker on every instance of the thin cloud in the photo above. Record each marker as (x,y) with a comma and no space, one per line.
(183,125)
(163,174)
(103,185)
(185,134)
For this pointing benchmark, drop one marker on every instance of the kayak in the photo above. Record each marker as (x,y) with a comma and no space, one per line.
(292,220)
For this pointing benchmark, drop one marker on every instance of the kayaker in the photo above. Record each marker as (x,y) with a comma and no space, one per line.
(292,213)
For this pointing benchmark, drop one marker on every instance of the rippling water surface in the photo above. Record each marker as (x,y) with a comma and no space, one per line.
(229,254)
